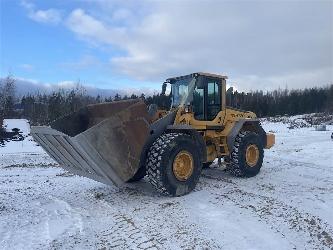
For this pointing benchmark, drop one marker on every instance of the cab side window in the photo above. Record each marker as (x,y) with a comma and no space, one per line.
(198,103)
(213,99)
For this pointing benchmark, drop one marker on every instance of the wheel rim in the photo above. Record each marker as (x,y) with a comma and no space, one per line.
(183,165)
(252,155)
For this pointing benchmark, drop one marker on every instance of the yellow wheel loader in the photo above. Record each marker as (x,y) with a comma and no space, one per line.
(124,141)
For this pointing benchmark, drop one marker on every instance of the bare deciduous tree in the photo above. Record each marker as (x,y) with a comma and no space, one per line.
(7,96)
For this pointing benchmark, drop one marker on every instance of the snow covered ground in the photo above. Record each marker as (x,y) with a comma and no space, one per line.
(287,206)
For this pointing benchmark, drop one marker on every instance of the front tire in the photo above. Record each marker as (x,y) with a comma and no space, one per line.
(247,155)
(140,174)
(206,164)
(173,164)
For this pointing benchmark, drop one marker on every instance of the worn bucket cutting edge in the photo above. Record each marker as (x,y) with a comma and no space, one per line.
(102,142)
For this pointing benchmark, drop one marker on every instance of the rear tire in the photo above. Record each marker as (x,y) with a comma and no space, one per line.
(167,175)
(247,155)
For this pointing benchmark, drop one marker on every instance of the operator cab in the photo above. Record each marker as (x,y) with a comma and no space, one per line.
(202,92)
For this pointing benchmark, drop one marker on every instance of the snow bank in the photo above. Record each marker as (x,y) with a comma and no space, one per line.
(28,145)
(21,124)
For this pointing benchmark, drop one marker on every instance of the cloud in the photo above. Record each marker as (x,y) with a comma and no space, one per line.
(121,14)
(85,62)
(296,80)
(27,67)
(93,30)
(258,44)
(50,16)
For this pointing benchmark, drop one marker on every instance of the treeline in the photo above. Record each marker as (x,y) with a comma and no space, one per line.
(41,109)
(284,102)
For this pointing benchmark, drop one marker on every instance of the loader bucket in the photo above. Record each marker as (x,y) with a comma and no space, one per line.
(102,141)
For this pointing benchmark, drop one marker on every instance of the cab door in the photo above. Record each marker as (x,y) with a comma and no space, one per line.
(207,99)
(213,98)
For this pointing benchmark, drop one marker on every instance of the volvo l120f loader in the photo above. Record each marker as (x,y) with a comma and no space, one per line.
(124,141)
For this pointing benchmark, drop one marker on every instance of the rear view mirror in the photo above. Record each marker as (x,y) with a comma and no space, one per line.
(230,90)
(164,87)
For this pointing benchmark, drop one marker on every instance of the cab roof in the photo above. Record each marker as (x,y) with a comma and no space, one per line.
(196,74)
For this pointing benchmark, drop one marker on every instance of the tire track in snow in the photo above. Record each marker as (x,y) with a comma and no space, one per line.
(124,233)
(49,219)
(278,214)
(158,222)
(291,164)
(281,216)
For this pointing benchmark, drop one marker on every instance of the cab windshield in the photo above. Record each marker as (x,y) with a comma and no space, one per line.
(180,91)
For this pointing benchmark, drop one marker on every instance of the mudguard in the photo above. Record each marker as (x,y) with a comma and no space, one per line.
(249,124)
(156,129)
(197,137)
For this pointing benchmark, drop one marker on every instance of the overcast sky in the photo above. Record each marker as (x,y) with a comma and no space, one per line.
(137,44)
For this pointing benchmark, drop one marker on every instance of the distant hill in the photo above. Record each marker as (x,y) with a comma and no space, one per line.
(24,87)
